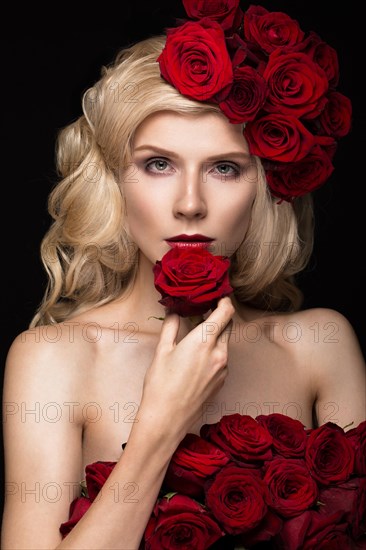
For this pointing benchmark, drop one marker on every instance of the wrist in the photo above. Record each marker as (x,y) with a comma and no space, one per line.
(155,431)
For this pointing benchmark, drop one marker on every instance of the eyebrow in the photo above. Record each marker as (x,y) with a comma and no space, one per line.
(165,152)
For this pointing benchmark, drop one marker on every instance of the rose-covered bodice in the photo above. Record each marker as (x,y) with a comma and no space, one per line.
(244,482)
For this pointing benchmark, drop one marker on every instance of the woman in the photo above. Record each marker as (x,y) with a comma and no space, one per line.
(144,170)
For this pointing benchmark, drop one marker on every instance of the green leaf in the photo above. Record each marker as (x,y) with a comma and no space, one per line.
(84,490)
(159,318)
(168,496)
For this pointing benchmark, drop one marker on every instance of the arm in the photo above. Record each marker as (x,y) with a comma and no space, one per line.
(339,372)
(42,446)
(40,452)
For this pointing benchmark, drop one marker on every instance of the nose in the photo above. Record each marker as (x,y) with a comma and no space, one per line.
(190,201)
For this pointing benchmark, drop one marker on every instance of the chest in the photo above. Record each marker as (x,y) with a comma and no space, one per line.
(262,379)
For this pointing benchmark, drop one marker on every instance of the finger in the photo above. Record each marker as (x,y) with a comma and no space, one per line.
(169,330)
(218,321)
(224,338)
(224,306)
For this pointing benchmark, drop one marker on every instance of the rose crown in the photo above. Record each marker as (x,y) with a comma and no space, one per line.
(263,70)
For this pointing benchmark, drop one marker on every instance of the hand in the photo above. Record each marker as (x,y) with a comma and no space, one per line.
(182,376)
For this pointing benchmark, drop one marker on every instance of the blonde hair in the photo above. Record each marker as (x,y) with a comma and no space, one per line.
(87,253)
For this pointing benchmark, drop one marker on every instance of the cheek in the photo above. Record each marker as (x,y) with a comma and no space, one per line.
(142,212)
(134,199)
(238,210)
(240,226)
(135,215)
(238,216)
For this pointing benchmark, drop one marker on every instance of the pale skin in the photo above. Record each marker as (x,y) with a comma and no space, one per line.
(113,374)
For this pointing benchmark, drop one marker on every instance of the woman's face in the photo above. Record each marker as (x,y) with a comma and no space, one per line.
(191,175)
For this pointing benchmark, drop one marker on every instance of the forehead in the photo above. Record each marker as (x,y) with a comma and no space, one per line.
(205,132)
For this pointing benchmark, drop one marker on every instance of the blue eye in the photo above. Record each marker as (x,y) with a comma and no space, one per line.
(228,170)
(159,164)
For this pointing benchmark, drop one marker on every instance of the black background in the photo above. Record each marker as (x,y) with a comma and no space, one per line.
(51,57)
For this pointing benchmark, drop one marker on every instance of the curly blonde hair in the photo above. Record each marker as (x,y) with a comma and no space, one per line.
(87,253)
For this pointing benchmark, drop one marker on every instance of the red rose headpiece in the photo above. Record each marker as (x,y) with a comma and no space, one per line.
(261,69)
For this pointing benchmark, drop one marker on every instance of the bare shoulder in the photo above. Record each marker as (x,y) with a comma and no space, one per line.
(308,327)
(327,336)
(321,336)
(51,351)
(329,349)
(63,355)
(45,368)
(325,325)
(63,346)
(323,347)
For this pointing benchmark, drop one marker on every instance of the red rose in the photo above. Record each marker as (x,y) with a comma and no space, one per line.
(180,522)
(358,513)
(191,281)
(298,178)
(225,12)
(242,437)
(246,97)
(78,507)
(357,436)
(289,436)
(290,485)
(195,59)
(279,138)
(96,475)
(238,51)
(297,86)
(270,30)
(323,54)
(312,531)
(329,454)
(327,533)
(238,499)
(349,498)
(328,144)
(335,119)
(192,463)
(270,525)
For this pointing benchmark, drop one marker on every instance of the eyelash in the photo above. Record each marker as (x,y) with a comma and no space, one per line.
(152,161)
(234,167)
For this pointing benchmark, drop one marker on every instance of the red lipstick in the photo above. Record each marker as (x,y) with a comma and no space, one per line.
(190,241)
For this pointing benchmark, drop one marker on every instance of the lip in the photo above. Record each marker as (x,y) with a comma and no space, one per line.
(190,238)
(190,241)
